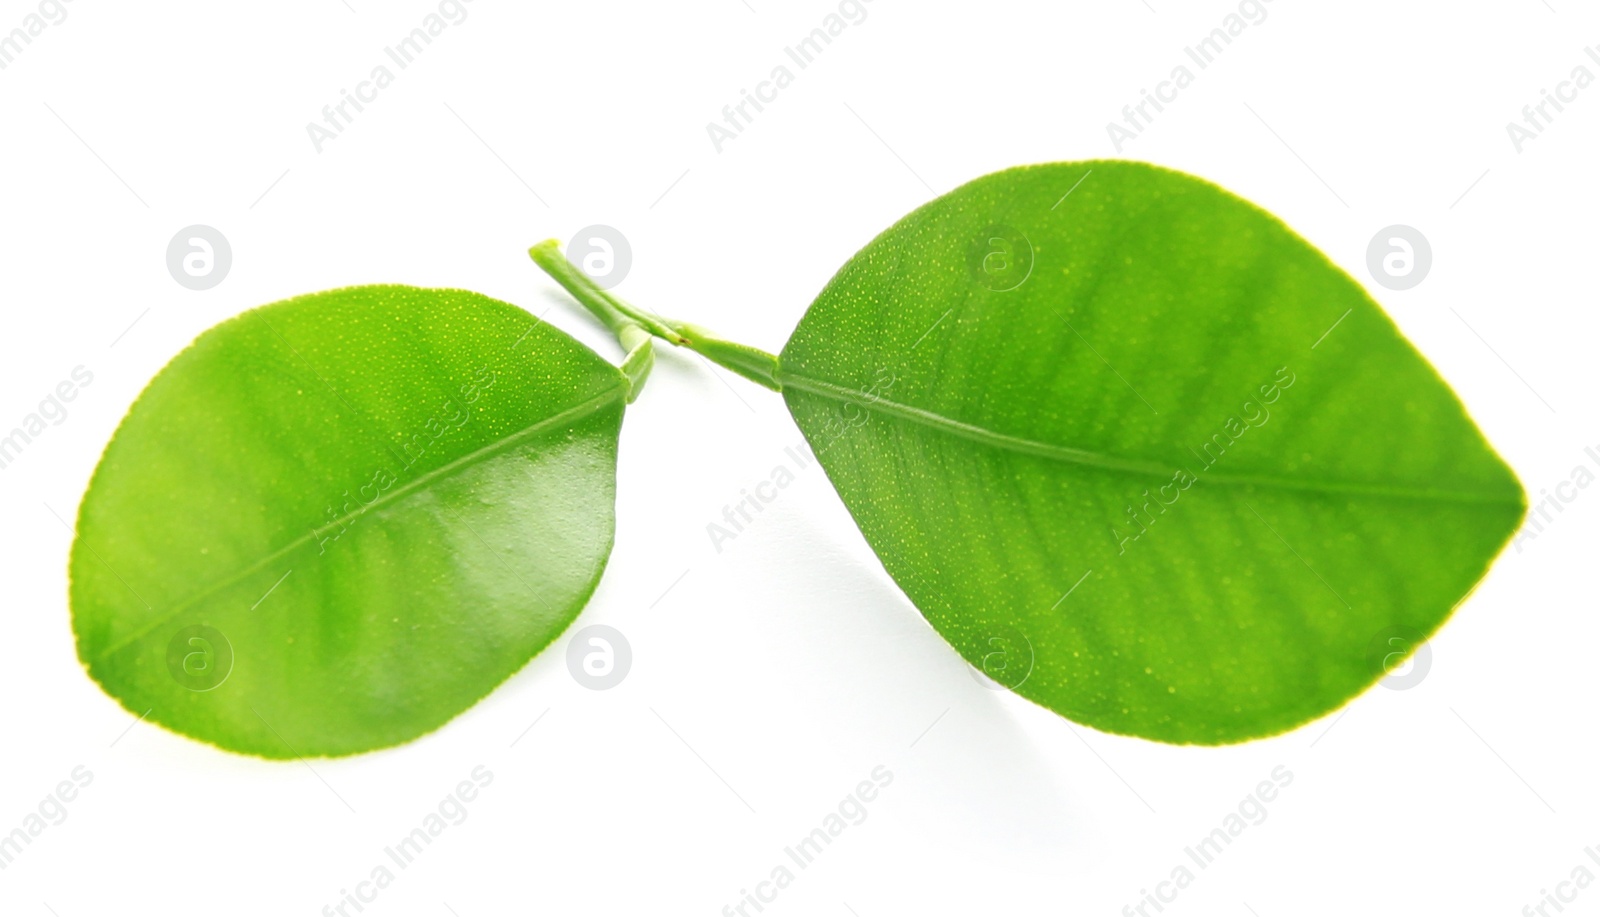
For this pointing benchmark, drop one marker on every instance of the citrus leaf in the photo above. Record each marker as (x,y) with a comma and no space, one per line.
(335,522)
(1143,454)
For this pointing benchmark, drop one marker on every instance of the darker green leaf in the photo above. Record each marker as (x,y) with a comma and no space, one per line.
(1111,431)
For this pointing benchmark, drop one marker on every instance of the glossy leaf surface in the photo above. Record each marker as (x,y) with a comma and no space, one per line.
(1142,453)
(335,522)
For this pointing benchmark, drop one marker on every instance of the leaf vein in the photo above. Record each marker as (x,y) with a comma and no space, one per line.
(1132,466)
(583,409)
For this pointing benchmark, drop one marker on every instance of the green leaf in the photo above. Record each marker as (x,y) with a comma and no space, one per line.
(335,522)
(1131,438)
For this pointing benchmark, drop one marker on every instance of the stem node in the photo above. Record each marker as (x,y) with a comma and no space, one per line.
(633,327)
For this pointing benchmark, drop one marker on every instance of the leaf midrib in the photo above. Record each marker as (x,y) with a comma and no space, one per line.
(1130,466)
(582,409)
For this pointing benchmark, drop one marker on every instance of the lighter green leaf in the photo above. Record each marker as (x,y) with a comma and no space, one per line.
(1133,438)
(335,522)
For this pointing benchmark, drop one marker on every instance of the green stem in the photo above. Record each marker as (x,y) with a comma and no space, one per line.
(631,324)
(634,337)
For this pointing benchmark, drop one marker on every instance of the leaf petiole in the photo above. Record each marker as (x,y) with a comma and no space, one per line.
(632,333)
(633,325)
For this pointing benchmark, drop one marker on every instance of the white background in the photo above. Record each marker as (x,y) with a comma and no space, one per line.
(770,678)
